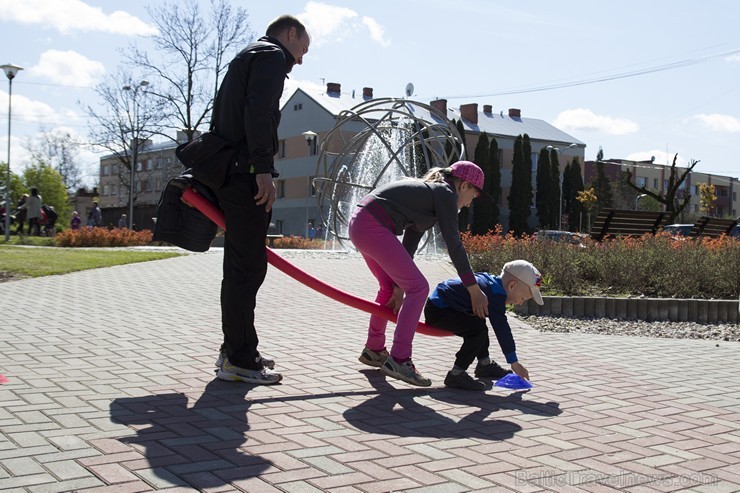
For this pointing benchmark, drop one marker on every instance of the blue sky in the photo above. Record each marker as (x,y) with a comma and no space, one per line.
(637,78)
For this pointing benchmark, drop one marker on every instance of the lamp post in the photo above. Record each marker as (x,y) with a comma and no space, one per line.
(310,140)
(637,199)
(560,151)
(10,71)
(134,149)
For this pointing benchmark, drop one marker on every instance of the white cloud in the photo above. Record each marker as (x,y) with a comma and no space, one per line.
(661,157)
(719,123)
(330,24)
(586,120)
(376,31)
(68,68)
(68,16)
(733,58)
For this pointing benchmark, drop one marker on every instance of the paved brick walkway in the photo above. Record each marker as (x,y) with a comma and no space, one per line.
(111,388)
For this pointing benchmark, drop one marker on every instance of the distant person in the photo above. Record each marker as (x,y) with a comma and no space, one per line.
(32,207)
(411,207)
(76,221)
(50,219)
(122,222)
(448,308)
(311,232)
(20,216)
(320,232)
(246,112)
(95,216)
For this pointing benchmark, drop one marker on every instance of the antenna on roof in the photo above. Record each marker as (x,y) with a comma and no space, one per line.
(409,90)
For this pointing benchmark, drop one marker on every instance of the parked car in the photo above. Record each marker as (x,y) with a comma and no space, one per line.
(678,229)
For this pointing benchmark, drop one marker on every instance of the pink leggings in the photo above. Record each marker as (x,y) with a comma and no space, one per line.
(391,264)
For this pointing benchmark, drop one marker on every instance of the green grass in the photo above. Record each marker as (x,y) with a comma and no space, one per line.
(28,240)
(18,262)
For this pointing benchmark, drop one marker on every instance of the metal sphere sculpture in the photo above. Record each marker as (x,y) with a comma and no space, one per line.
(374,143)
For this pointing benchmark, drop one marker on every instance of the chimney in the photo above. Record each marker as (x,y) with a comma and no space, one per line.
(440,104)
(515,113)
(333,88)
(367,93)
(470,112)
(487,108)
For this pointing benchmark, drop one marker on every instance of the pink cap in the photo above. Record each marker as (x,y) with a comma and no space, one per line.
(470,172)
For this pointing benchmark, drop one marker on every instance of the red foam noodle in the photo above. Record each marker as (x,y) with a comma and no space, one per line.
(212,212)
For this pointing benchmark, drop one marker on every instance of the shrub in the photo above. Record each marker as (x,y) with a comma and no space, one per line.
(299,243)
(103,237)
(625,266)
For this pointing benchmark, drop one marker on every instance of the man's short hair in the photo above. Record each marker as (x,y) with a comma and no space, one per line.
(283,23)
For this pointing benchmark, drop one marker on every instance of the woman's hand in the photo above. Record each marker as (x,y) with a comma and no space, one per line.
(519,369)
(396,300)
(479,301)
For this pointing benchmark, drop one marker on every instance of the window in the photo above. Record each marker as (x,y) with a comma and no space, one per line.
(113,189)
(655,183)
(138,186)
(105,170)
(665,184)
(641,181)
(105,189)
(280,189)
(281,150)
(721,192)
(139,166)
(158,163)
(298,107)
(696,189)
(313,146)
(150,164)
(311,187)
(734,198)
(279,226)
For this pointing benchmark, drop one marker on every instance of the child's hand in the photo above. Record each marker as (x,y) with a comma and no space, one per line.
(396,300)
(519,369)
(479,301)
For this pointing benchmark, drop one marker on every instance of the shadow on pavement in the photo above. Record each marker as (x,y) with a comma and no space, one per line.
(396,412)
(195,447)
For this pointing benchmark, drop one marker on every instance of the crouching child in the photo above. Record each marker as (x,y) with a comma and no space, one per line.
(449,308)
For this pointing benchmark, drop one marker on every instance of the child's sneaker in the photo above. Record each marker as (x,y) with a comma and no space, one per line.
(373,358)
(232,373)
(265,362)
(463,381)
(491,370)
(405,371)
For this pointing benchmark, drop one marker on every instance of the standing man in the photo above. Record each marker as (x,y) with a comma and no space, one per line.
(247,113)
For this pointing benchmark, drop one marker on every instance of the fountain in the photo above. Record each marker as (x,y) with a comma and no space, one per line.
(374,143)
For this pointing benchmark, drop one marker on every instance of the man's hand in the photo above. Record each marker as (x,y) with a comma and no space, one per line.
(479,301)
(266,191)
(519,369)
(396,299)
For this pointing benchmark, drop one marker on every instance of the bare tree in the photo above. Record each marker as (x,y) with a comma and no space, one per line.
(675,199)
(125,122)
(193,52)
(57,148)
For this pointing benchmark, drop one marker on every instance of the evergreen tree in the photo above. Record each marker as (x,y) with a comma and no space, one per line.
(494,181)
(556,195)
(521,190)
(603,186)
(543,193)
(568,193)
(480,205)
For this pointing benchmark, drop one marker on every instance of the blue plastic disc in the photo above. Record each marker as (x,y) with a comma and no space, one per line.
(513,381)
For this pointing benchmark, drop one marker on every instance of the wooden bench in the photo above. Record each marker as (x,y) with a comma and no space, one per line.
(614,222)
(711,227)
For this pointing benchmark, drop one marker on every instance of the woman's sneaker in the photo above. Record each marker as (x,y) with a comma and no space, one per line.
(232,373)
(405,371)
(373,358)
(463,381)
(265,362)
(491,370)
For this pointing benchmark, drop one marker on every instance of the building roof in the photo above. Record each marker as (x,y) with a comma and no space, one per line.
(492,123)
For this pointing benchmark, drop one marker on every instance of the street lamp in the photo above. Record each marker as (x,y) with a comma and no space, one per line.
(10,71)
(134,150)
(310,140)
(560,151)
(637,199)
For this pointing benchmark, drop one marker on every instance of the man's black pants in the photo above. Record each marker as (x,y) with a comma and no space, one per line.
(471,328)
(244,268)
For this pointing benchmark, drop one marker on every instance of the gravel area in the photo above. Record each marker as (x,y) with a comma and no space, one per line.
(673,330)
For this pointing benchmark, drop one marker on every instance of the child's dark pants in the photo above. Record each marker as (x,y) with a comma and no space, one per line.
(471,328)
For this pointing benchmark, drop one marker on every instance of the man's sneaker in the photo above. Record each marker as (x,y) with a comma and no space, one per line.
(405,371)
(266,362)
(373,358)
(492,370)
(463,381)
(232,373)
